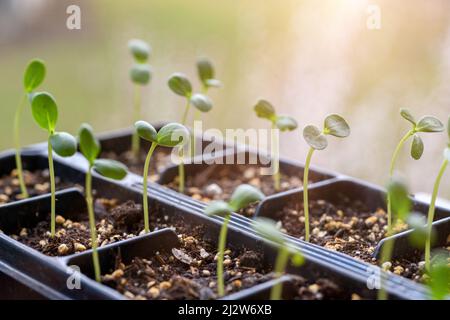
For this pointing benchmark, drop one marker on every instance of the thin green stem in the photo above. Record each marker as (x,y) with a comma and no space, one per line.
(145,192)
(391,173)
(305,192)
(222,242)
(280,266)
(52,188)
(186,111)
(92,227)
(276,175)
(181,165)
(136,116)
(23,187)
(430,217)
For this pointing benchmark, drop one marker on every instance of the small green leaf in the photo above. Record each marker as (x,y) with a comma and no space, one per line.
(297,259)
(218,208)
(45,111)
(399,196)
(139,49)
(34,75)
(417,222)
(201,102)
(244,195)
(89,145)
(336,126)
(314,137)
(267,229)
(439,277)
(110,169)
(286,123)
(214,83)
(265,110)
(416,147)
(146,131)
(205,70)
(429,124)
(180,85)
(141,74)
(405,113)
(64,144)
(172,135)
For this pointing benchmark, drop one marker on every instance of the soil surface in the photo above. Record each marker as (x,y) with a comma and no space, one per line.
(322,289)
(160,160)
(350,227)
(37,183)
(217,182)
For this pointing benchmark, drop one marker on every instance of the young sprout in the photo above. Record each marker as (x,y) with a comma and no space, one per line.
(265,110)
(431,209)
(140,74)
(45,113)
(33,77)
(268,230)
(181,86)
(425,124)
(205,71)
(243,196)
(90,148)
(334,125)
(171,135)
(439,277)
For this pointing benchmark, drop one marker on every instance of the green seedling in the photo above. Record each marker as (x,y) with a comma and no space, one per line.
(140,74)
(425,124)
(205,72)
(334,125)
(431,209)
(33,77)
(267,229)
(181,86)
(265,110)
(171,135)
(243,196)
(439,277)
(90,148)
(45,114)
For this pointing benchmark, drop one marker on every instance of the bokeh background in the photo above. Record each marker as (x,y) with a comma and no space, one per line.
(308,58)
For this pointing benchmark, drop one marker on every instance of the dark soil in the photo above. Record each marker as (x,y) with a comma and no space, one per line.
(114,223)
(217,182)
(37,183)
(160,160)
(322,289)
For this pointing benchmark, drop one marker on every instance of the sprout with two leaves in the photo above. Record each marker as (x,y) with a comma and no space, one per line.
(171,135)
(265,110)
(140,74)
(181,86)
(242,196)
(431,209)
(334,125)
(267,229)
(90,148)
(205,72)
(45,114)
(33,77)
(425,124)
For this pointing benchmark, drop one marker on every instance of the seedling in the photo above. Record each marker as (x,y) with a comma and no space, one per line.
(140,74)
(243,196)
(265,110)
(45,113)
(171,135)
(205,71)
(431,209)
(181,86)
(268,230)
(33,77)
(425,124)
(90,148)
(334,125)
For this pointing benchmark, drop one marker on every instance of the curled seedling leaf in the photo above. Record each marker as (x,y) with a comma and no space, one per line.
(110,169)
(64,144)
(180,85)
(206,73)
(406,114)
(146,131)
(141,74)
(429,124)
(336,125)
(286,123)
(201,102)
(267,229)
(315,137)
(140,50)
(45,111)
(172,135)
(34,75)
(89,145)
(417,147)
(265,110)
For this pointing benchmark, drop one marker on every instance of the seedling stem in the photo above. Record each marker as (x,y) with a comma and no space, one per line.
(305,192)
(222,241)
(145,183)
(92,226)
(280,266)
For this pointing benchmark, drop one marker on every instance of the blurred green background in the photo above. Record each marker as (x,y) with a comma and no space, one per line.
(308,58)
